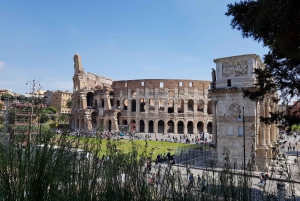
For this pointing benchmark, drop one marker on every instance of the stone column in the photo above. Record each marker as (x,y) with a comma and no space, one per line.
(175,130)
(146,105)
(214,122)
(155,125)
(195,107)
(146,126)
(166,127)
(175,106)
(137,125)
(261,159)
(205,107)
(195,127)
(185,127)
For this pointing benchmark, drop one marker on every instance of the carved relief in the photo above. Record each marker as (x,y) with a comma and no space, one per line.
(234,69)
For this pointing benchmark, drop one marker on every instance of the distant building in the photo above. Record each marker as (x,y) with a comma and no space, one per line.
(294,110)
(35,94)
(59,100)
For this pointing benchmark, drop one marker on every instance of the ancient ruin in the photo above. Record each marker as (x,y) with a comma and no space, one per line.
(144,106)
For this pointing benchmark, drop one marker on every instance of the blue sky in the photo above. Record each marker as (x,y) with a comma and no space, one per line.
(122,40)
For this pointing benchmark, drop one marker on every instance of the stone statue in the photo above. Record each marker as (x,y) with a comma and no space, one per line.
(213,74)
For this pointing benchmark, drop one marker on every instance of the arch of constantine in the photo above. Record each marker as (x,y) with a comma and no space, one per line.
(144,106)
(236,119)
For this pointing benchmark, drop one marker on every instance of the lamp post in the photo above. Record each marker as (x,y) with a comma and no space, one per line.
(244,136)
(33,87)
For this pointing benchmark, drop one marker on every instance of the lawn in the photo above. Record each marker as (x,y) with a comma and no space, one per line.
(158,147)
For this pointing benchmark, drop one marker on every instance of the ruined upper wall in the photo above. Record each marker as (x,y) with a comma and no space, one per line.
(160,84)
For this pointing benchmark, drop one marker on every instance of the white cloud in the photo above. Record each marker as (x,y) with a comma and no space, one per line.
(2,64)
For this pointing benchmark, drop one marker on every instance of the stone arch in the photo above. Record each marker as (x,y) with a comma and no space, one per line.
(190,126)
(161,106)
(133,125)
(77,123)
(180,127)
(151,104)
(200,127)
(191,105)
(112,103)
(109,124)
(209,127)
(133,94)
(171,106)
(133,105)
(181,106)
(151,127)
(142,126)
(119,117)
(170,126)
(171,94)
(89,99)
(209,107)
(161,126)
(200,105)
(94,119)
(102,103)
(118,104)
(82,124)
(125,102)
(142,105)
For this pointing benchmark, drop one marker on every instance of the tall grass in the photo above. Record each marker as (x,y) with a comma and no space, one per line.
(51,168)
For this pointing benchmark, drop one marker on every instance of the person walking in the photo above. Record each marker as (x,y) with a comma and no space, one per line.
(198,180)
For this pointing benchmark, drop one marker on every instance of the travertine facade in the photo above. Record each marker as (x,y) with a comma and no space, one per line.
(232,75)
(146,106)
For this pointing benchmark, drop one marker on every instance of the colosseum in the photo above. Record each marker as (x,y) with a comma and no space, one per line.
(143,106)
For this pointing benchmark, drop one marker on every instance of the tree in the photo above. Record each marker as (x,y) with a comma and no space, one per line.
(51,110)
(1,106)
(275,23)
(69,103)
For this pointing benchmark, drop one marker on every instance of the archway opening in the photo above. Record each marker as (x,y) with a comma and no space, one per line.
(109,125)
(209,127)
(191,105)
(112,103)
(102,102)
(89,99)
(125,102)
(180,127)
(181,106)
(209,107)
(125,122)
(133,105)
(161,126)
(118,104)
(170,126)
(151,104)
(142,105)
(190,127)
(142,126)
(199,127)
(119,116)
(133,126)
(170,106)
(200,106)
(151,127)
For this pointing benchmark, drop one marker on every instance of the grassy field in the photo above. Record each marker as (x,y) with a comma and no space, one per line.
(156,147)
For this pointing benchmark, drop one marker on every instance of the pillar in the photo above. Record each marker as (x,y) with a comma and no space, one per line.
(214,122)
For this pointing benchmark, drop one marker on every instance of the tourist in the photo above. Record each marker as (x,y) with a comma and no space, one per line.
(198,180)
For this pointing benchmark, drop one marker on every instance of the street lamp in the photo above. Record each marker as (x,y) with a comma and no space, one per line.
(244,134)
(33,86)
